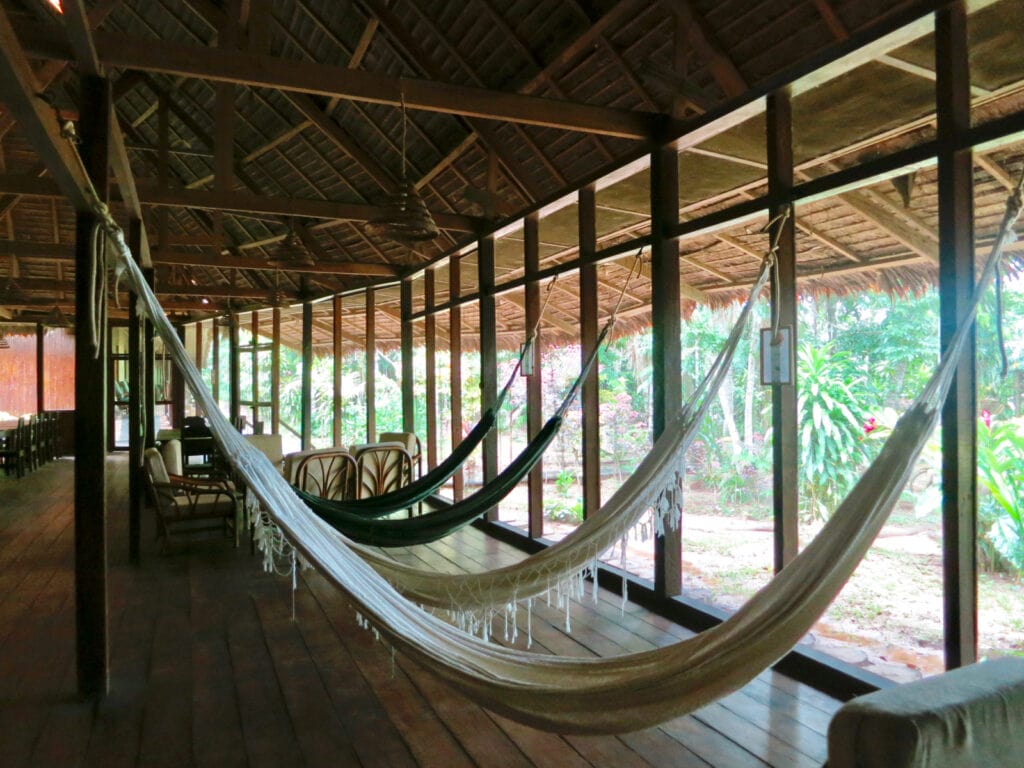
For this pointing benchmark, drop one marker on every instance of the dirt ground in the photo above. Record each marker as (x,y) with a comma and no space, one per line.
(888,617)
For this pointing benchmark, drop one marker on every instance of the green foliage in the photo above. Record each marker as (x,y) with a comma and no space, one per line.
(830,427)
(1001,474)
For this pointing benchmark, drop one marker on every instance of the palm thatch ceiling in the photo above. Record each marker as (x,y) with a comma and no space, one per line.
(247,121)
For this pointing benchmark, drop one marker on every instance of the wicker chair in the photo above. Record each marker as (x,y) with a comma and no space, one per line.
(329,474)
(12,452)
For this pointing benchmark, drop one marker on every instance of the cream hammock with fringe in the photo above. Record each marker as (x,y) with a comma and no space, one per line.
(612,694)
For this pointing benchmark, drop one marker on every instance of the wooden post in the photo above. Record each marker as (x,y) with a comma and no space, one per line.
(665,343)
(40,368)
(785,448)
(148,386)
(956,283)
(408,399)
(588,342)
(307,376)
(338,349)
(275,373)
(534,391)
(136,411)
(371,365)
(255,368)
(488,355)
(215,361)
(234,372)
(91,412)
(455,351)
(430,332)
(177,387)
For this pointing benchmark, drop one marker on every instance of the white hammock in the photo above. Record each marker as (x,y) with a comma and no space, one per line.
(598,695)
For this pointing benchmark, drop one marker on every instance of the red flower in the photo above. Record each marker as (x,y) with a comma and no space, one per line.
(986,417)
(870,425)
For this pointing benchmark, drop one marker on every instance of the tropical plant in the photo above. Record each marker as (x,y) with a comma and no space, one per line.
(1001,474)
(830,427)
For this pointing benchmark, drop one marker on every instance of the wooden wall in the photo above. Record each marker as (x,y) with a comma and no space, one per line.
(18,373)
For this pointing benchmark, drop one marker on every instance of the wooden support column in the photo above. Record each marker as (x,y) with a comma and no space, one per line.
(148,375)
(956,283)
(588,341)
(371,365)
(785,448)
(455,351)
(307,376)
(488,355)
(40,368)
(408,400)
(534,392)
(91,412)
(665,343)
(338,349)
(275,373)
(234,371)
(430,331)
(177,387)
(215,361)
(136,410)
(255,368)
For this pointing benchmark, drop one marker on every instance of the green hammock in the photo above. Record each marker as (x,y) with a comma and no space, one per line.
(418,490)
(438,524)
(404,532)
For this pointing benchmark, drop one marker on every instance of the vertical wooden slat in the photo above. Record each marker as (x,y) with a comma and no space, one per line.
(665,342)
(534,395)
(148,360)
(336,328)
(177,387)
(307,376)
(488,354)
(215,360)
(371,365)
(588,341)
(785,449)
(956,283)
(430,331)
(275,373)
(91,412)
(136,379)
(40,368)
(255,368)
(408,402)
(455,348)
(234,372)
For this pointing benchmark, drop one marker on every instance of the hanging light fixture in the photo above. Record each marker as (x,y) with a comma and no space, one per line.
(290,252)
(404,216)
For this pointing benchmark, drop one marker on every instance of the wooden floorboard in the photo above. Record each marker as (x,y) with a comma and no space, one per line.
(208,667)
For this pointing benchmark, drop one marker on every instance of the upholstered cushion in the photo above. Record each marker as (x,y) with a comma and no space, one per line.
(170,450)
(969,717)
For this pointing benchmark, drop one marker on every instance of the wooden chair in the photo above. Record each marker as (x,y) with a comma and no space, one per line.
(197,442)
(32,443)
(381,467)
(184,504)
(329,474)
(412,444)
(12,453)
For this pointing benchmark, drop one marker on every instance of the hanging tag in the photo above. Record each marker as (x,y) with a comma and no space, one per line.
(526,351)
(777,356)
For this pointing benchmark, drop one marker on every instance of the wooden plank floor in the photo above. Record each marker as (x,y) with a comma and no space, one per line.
(208,667)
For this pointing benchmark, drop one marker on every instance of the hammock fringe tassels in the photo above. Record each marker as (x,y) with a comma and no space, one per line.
(596,695)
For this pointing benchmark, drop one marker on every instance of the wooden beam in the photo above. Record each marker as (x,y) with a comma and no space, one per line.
(227,261)
(306,429)
(534,384)
(702,39)
(91,611)
(956,285)
(370,352)
(591,426)
(18,89)
(408,379)
(666,350)
(455,351)
(249,203)
(785,445)
(488,353)
(430,351)
(337,341)
(255,70)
